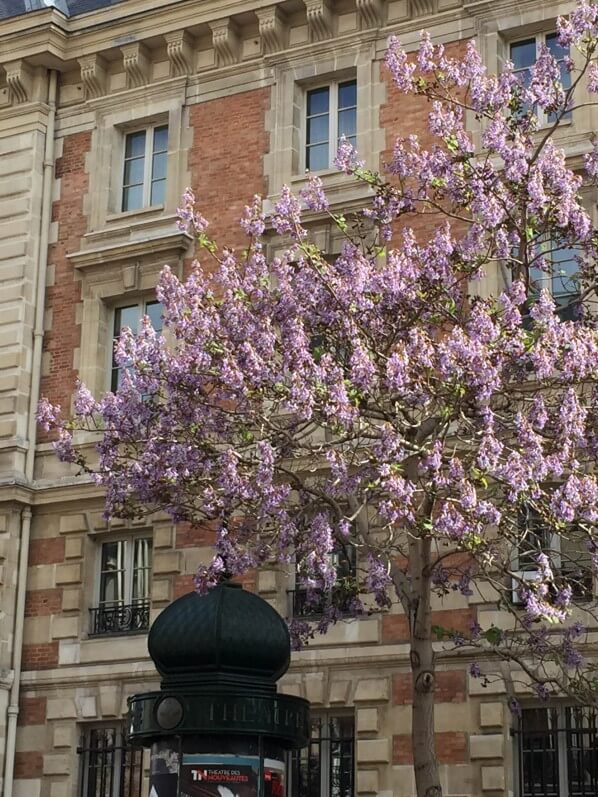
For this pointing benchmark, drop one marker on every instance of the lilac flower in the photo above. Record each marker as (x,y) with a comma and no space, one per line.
(475,670)
(346,159)
(313,195)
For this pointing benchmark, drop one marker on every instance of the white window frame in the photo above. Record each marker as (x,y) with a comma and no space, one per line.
(130,540)
(540,38)
(147,166)
(332,86)
(141,303)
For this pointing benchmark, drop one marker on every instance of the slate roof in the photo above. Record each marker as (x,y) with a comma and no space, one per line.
(70,8)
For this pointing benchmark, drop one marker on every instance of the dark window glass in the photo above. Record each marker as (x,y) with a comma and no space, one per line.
(325,767)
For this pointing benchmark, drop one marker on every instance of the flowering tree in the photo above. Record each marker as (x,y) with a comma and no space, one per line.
(373,401)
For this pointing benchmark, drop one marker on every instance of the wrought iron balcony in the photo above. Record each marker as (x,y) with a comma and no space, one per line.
(120,618)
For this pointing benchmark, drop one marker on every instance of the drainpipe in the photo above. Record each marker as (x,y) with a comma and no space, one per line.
(38,335)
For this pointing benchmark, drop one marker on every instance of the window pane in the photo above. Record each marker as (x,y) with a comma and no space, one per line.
(126,317)
(347,94)
(142,563)
(318,101)
(317,157)
(112,577)
(539,753)
(135,144)
(555,48)
(347,123)
(158,192)
(160,139)
(133,171)
(317,129)
(159,166)
(133,198)
(523,54)
(154,311)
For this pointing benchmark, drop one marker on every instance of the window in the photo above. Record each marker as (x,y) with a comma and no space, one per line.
(345,565)
(567,554)
(524,54)
(130,316)
(558,752)
(108,766)
(124,589)
(331,112)
(561,277)
(144,172)
(325,767)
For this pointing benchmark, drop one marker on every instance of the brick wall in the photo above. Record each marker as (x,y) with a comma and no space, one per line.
(32,710)
(62,297)
(451,748)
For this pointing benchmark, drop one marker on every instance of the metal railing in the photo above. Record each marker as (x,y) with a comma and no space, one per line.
(108,766)
(119,618)
(326,767)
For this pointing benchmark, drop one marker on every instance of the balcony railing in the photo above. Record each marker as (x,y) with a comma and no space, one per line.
(120,618)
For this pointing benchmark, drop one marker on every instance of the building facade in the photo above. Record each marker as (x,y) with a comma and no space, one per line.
(108,110)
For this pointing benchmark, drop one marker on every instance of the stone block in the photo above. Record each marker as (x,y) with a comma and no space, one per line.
(493,779)
(163,537)
(110,700)
(266,581)
(57,764)
(491,715)
(68,574)
(31,787)
(367,781)
(69,652)
(65,627)
(339,693)
(367,720)
(60,788)
(491,684)
(70,523)
(73,548)
(161,590)
(72,598)
(86,707)
(373,751)
(64,736)
(166,562)
(372,690)
(491,745)
(315,687)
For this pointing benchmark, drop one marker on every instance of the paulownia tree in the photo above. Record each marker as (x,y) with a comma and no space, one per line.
(375,402)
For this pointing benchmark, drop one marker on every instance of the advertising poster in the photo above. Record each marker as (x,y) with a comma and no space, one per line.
(213,775)
(164,771)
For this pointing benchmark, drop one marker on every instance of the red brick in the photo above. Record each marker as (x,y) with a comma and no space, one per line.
(451,748)
(395,628)
(40,657)
(182,585)
(32,711)
(28,765)
(450,687)
(188,536)
(42,602)
(46,551)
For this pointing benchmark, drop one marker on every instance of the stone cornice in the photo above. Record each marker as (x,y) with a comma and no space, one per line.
(129,252)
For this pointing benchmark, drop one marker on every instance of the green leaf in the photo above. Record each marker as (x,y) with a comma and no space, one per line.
(493,635)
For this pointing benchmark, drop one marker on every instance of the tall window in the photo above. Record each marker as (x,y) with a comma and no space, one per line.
(130,316)
(325,768)
(331,112)
(144,173)
(108,766)
(345,565)
(558,752)
(124,588)
(567,554)
(561,278)
(524,54)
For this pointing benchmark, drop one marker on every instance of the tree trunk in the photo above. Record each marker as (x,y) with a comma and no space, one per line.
(425,764)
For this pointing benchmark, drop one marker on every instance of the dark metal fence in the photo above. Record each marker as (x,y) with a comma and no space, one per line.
(325,768)
(120,619)
(108,766)
(558,752)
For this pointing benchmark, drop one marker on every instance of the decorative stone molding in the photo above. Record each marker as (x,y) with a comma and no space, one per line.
(421,8)
(19,80)
(93,75)
(137,64)
(319,19)
(272,27)
(180,52)
(162,247)
(225,39)
(369,13)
